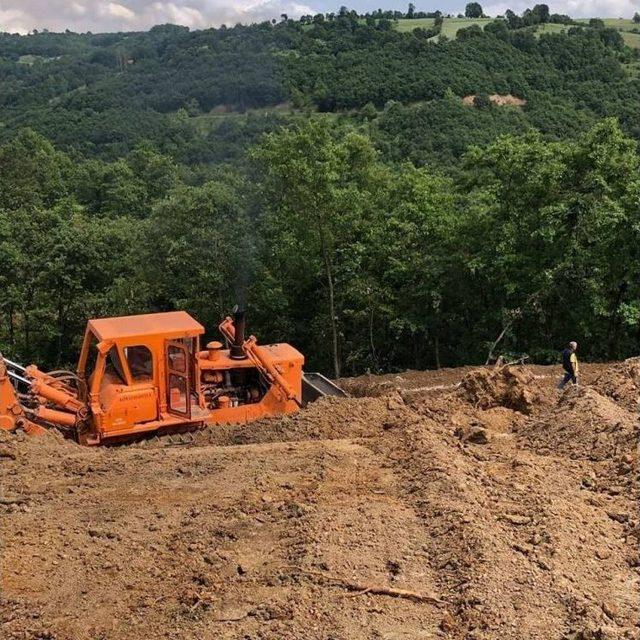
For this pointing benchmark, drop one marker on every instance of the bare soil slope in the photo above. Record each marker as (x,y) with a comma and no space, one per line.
(507,510)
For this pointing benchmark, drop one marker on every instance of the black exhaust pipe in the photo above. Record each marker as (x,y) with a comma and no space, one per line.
(239,321)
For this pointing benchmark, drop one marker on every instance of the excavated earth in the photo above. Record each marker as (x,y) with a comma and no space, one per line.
(507,509)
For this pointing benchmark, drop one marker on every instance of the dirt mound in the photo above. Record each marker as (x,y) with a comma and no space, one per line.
(328,418)
(511,387)
(415,381)
(331,418)
(18,443)
(501,525)
(583,425)
(621,382)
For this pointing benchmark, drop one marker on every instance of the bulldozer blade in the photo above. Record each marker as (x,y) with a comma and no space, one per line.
(315,385)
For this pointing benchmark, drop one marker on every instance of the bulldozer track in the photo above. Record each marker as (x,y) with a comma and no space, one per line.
(170,440)
(195,437)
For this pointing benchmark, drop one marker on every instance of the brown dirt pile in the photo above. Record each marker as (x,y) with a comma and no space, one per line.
(510,387)
(328,418)
(242,533)
(621,382)
(414,381)
(518,542)
(583,424)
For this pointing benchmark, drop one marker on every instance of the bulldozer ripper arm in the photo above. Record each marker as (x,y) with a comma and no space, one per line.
(260,358)
(12,414)
(265,364)
(55,417)
(69,410)
(58,397)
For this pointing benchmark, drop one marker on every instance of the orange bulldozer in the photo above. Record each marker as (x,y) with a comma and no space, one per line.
(147,374)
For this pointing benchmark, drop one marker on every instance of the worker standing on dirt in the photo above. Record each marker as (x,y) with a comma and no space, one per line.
(570,365)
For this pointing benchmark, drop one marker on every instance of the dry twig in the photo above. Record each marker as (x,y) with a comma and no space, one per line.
(10,501)
(366,588)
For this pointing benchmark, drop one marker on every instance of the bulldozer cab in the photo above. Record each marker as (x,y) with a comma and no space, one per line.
(140,369)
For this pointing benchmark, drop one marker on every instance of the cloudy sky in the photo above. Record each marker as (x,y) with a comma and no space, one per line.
(125,15)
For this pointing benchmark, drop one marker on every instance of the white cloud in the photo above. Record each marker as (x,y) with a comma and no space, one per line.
(106,15)
(13,18)
(78,9)
(573,8)
(114,10)
(171,12)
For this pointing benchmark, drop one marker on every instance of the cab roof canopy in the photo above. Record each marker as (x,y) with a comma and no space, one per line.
(174,324)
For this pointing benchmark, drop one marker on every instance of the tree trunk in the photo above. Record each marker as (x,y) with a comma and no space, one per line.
(61,331)
(12,329)
(436,344)
(374,355)
(26,314)
(27,332)
(614,322)
(332,304)
(497,342)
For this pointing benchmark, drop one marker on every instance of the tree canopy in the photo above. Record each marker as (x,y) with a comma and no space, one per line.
(473,10)
(383,200)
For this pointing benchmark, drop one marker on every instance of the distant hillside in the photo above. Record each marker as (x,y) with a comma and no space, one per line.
(104,94)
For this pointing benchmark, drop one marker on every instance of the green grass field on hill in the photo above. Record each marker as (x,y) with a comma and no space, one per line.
(631,39)
(450,26)
(410,25)
(552,28)
(622,24)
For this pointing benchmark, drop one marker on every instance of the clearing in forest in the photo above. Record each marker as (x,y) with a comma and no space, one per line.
(462,503)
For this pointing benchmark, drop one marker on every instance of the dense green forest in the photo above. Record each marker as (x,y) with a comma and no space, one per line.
(102,95)
(327,173)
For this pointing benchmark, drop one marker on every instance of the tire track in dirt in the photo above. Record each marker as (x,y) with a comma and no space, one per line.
(196,539)
(174,540)
(499,514)
(361,530)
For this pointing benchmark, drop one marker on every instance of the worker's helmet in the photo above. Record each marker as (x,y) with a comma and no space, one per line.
(573,345)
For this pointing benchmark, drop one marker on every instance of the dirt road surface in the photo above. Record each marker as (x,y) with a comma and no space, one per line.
(510,509)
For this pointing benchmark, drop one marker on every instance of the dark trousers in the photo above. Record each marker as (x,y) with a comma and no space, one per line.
(567,376)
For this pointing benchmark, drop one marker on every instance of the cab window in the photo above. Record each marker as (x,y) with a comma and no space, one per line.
(114,365)
(176,359)
(92,358)
(140,362)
